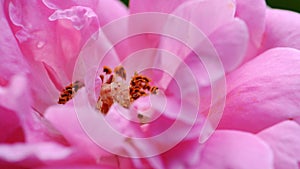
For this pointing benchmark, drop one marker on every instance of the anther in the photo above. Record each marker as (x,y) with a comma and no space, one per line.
(154,90)
(69,91)
(107,70)
(120,71)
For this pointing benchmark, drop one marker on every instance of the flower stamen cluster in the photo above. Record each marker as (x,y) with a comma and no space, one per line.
(114,88)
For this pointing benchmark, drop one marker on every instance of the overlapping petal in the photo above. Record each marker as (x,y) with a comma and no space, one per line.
(103,16)
(201,13)
(233,44)
(55,37)
(76,166)
(261,93)
(22,141)
(12,117)
(281,30)
(264,91)
(16,108)
(65,120)
(33,153)
(255,18)
(235,150)
(11,122)
(11,58)
(139,6)
(50,41)
(231,48)
(284,140)
(188,152)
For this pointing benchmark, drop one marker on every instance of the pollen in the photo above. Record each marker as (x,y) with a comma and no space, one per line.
(107,70)
(140,86)
(115,89)
(69,91)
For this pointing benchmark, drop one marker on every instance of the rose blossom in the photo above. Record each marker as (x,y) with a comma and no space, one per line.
(41,42)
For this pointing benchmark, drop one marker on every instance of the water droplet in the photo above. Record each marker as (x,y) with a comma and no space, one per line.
(40,44)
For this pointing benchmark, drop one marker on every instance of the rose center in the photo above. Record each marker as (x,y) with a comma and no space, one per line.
(114,89)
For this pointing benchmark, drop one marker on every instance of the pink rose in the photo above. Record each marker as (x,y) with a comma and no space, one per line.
(188,55)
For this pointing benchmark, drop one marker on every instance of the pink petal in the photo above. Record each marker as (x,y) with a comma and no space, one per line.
(79,16)
(49,41)
(139,6)
(48,155)
(10,52)
(125,144)
(157,137)
(136,33)
(99,130)
(184,155)
(16,91)
(199,13)
(68,120)
(15,112)
(38,129)
(19,152)
(102,9)
(107,16)
(284,139)
(122,124)
(264,91)
(44,92)
(77,166)
(96,53)
(52,39)
(47,46)
(104,16)
(231,41)
(13,129)
(281,30)
(20,121)
(235,150)
(64,119)
(207,15)
(254,17)
(198,19)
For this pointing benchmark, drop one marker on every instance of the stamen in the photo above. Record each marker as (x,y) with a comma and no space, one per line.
(154,90)
(105,100)
(102,78)
(107,70)
(120,71)
(115,90)
(110,79)
(139,86)
(69,91)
